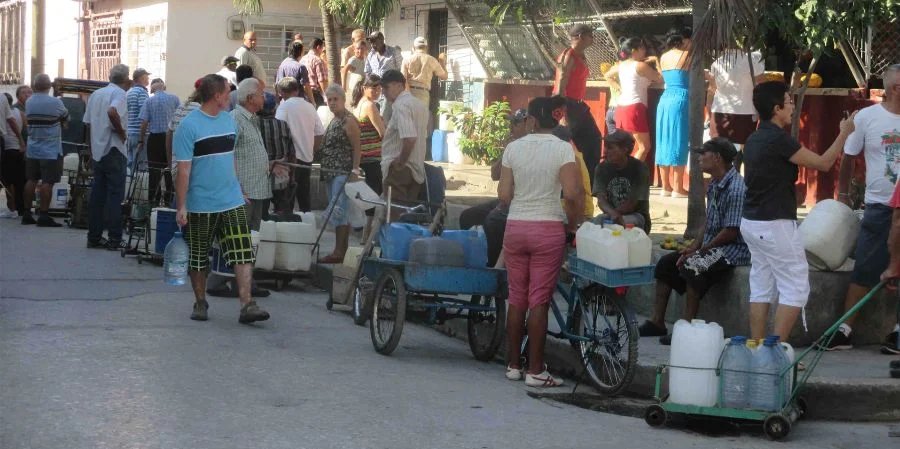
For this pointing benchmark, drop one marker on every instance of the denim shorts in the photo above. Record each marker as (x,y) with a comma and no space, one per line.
(872,255)
(340,216)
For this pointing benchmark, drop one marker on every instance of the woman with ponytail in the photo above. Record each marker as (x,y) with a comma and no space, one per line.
(672,139)
(632,77)
(371,131)
(535,168)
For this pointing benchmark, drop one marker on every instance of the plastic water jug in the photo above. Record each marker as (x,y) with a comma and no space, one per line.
(395,239)
(293,252)
(175,261)
(613,249)
(640,247)
(587,240)
(694,357)
(70,162)
(736,373)
(791,357)
(764,384)
(437,251)
(785,358)
(59,198)
(829,234)
(474,244)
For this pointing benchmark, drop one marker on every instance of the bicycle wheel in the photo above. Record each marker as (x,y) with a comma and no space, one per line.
(610,357)
(362,301)
(485,327)
(388,312)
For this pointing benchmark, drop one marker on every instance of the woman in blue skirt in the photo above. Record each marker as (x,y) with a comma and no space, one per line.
(672,114)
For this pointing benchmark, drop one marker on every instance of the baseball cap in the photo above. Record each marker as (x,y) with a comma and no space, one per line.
(580,29)
(420,42)
(230,60)
(719,145)
(518,116)
(139,73)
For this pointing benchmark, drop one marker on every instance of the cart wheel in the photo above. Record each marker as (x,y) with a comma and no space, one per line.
(801,407)
(362,301)
(655,416)
(388,312)
(330,303)
(776,427)
(122,252)
(281,282)
(610,355)
(485,327)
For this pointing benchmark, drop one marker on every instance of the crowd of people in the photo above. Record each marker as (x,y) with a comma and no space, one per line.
(216,157)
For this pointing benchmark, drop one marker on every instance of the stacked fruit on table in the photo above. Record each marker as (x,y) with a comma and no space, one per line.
(676,244)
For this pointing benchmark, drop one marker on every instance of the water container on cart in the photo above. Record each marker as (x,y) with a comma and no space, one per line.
(765,367)
(640,247)
(293,252)
(829,234)
(437,251)
(265,255)
(694,357)
(474,244)
(735,380)
(612,250)
(395,239)
(587,242)
(59,197)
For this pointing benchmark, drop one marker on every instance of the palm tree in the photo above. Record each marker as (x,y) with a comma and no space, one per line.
(364,13)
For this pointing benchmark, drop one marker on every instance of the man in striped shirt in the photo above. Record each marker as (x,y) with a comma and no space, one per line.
(403,146)
(155,116)
(44,113)
(134,101)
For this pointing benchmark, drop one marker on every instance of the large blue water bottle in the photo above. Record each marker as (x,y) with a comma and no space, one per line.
(736,373)
(765,382)
(175,265)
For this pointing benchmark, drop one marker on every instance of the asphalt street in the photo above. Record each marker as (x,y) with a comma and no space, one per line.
(96,352)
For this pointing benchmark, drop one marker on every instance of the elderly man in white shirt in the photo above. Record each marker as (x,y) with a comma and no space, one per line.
(306,132)
(247,56)
(403,146)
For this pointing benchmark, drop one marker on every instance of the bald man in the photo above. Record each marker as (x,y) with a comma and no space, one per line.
(247,56)
(357,35)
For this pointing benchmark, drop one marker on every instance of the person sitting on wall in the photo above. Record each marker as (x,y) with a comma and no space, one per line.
(622,184)
(716,252)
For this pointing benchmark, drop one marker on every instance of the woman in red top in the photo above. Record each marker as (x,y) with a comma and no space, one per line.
(571,82)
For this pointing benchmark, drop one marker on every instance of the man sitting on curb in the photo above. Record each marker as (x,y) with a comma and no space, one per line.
(721,248)
(622,184)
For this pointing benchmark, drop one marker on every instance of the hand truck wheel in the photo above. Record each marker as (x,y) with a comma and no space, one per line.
(655,416)
(776,427)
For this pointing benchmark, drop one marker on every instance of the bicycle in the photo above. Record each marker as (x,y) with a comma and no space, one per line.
(598,323)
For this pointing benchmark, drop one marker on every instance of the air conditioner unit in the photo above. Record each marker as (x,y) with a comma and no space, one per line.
(235,29)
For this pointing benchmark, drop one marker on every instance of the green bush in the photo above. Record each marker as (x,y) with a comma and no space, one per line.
(481,134)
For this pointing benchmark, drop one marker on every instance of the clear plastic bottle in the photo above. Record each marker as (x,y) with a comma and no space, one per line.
(736,373)
(785,382)
(765,367)
(175,261)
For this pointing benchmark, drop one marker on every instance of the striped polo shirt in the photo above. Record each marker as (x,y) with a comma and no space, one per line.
(207,142)
(44,114)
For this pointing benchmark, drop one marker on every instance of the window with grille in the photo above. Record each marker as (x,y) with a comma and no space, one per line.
(106,46)
(272,44)
(146,48)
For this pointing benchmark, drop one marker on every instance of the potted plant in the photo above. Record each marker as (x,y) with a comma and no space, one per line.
(481,135)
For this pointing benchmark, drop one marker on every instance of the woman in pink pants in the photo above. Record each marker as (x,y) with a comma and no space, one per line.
(535,169)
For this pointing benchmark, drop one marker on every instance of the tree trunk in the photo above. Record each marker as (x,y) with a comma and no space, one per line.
(801,95)
(332,52)
(697,195)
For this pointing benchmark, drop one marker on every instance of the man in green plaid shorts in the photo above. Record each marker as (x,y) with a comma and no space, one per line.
(210,201)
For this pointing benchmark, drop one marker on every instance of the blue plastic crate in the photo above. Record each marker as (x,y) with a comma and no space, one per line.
(623,277)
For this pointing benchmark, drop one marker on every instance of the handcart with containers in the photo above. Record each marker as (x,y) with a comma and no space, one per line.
(78,167)
(142,199)
(776,424)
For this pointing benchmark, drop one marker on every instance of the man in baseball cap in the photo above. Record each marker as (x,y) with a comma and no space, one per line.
(134,100)
(419,69)
(229,64)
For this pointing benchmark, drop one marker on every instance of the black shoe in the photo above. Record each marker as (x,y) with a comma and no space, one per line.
(649,329)
(98,244)
(260,293)
(251,313)
(840,342)
(895,368)
(116,245)
(200,312)
(28,219)
(666,340)
(889,347)
(46,222)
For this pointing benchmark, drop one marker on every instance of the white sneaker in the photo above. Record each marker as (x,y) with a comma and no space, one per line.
(542,380)
(9,214)
(513,373)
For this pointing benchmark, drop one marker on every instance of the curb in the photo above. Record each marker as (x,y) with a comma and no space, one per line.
(826,398)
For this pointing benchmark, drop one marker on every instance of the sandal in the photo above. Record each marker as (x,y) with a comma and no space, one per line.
(513,373)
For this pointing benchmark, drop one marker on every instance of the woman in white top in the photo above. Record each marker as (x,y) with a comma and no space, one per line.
(352,73)
(535,169)
(632,77)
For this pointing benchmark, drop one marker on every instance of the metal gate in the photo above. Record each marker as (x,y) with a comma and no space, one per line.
(106,45)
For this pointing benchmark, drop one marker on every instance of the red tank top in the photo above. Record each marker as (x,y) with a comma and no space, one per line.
(577,85)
